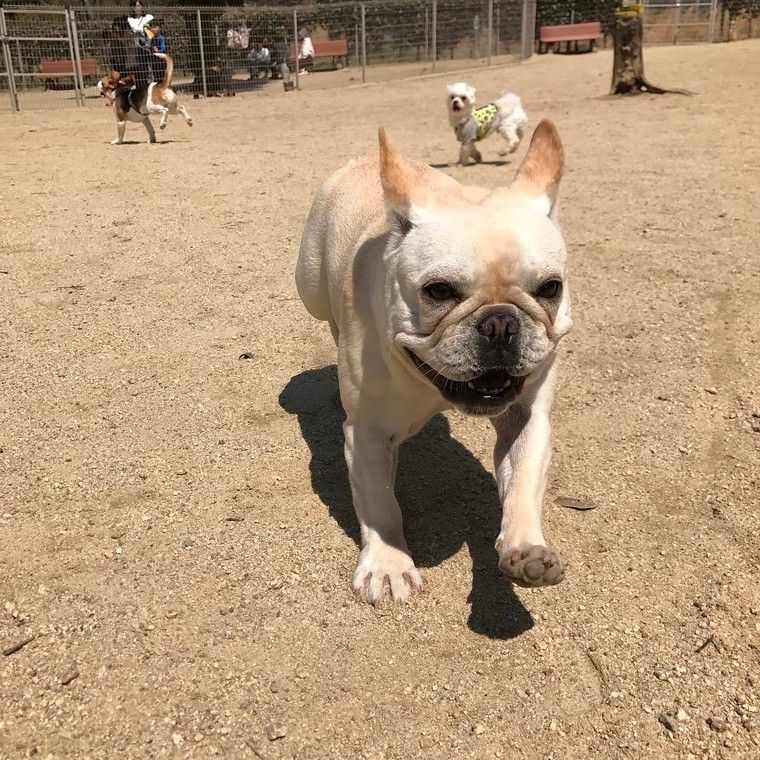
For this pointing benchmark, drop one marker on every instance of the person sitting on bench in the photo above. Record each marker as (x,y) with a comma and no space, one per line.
(259,58)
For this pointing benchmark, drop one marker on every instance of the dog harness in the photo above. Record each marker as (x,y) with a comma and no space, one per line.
(478,125)
(132,102)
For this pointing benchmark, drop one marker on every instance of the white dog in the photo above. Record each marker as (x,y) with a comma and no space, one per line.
(505,116)
(440,296)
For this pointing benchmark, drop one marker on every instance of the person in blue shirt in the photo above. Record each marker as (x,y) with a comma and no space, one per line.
(154,30)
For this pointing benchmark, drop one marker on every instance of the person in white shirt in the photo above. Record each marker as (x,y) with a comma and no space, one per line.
(137,23)
(305,52)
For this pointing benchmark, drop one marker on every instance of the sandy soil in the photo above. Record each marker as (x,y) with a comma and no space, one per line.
(176,531)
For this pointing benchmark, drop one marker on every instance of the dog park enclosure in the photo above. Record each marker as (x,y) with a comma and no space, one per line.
(52,56)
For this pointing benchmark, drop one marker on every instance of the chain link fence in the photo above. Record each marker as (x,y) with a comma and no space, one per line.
(53,57)
(668,22)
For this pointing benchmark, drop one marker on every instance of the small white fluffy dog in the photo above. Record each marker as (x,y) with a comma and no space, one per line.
(505,116)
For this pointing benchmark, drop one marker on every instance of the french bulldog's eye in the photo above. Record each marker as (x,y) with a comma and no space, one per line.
(549,289)
(440,291)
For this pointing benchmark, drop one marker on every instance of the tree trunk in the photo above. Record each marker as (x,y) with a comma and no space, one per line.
(628,64)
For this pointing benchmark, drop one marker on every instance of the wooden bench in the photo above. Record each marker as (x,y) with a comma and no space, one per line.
(324,49)
(549,36)
(50,71)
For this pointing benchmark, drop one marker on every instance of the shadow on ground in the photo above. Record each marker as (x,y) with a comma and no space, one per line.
(495,162)
(448,498)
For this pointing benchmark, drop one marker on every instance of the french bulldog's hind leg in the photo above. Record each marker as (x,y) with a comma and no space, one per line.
(533,566)
(475,153)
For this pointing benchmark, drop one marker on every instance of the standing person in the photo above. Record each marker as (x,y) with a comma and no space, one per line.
(138,20)
(305,52)
(120,47)
(154,30)
(279,54)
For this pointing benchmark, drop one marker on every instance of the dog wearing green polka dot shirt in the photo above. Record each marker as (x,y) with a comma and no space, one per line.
(471,125)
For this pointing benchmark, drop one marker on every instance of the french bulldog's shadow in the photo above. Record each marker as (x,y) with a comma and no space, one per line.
(447,497)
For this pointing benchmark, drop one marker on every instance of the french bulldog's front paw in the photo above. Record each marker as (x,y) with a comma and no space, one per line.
(117,141)
(382,567)
(162,126)
(532,566)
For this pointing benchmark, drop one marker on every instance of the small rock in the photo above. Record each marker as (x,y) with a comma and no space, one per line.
(478,729)
(683,449)
(71,674)
(246,356)
(275,687)
(276,731)
(571,503)
(188,543)
(717,724)
(682,715)
(668,721)
(177,739)
(712,391)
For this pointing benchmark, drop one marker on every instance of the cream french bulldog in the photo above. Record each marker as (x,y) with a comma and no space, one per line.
(441,296)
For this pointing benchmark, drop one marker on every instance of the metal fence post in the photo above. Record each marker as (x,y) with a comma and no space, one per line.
(711,23)
(77,55)
(498,31)
(435,33)
(8,58)
(202,52)
(357,55)
(528,31)
(364,43)
(676,21)
(427,34)
(72,57)
(490,31)
(295,39)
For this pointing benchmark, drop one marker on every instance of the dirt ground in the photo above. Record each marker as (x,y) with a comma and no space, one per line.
(176,531)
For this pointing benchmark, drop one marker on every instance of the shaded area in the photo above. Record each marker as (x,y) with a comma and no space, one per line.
(456,163)
(447,497)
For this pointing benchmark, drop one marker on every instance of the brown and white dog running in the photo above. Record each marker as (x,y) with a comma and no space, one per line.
(132,103)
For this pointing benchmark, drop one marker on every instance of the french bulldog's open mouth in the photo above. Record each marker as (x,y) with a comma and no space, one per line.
(492,388)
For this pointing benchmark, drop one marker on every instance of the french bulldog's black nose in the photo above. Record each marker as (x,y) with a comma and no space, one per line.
(498,324)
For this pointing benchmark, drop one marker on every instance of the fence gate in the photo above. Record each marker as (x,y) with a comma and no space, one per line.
(39,52)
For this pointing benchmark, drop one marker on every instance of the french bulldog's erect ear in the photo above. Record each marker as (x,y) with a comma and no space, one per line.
(398,181)
(541,170)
